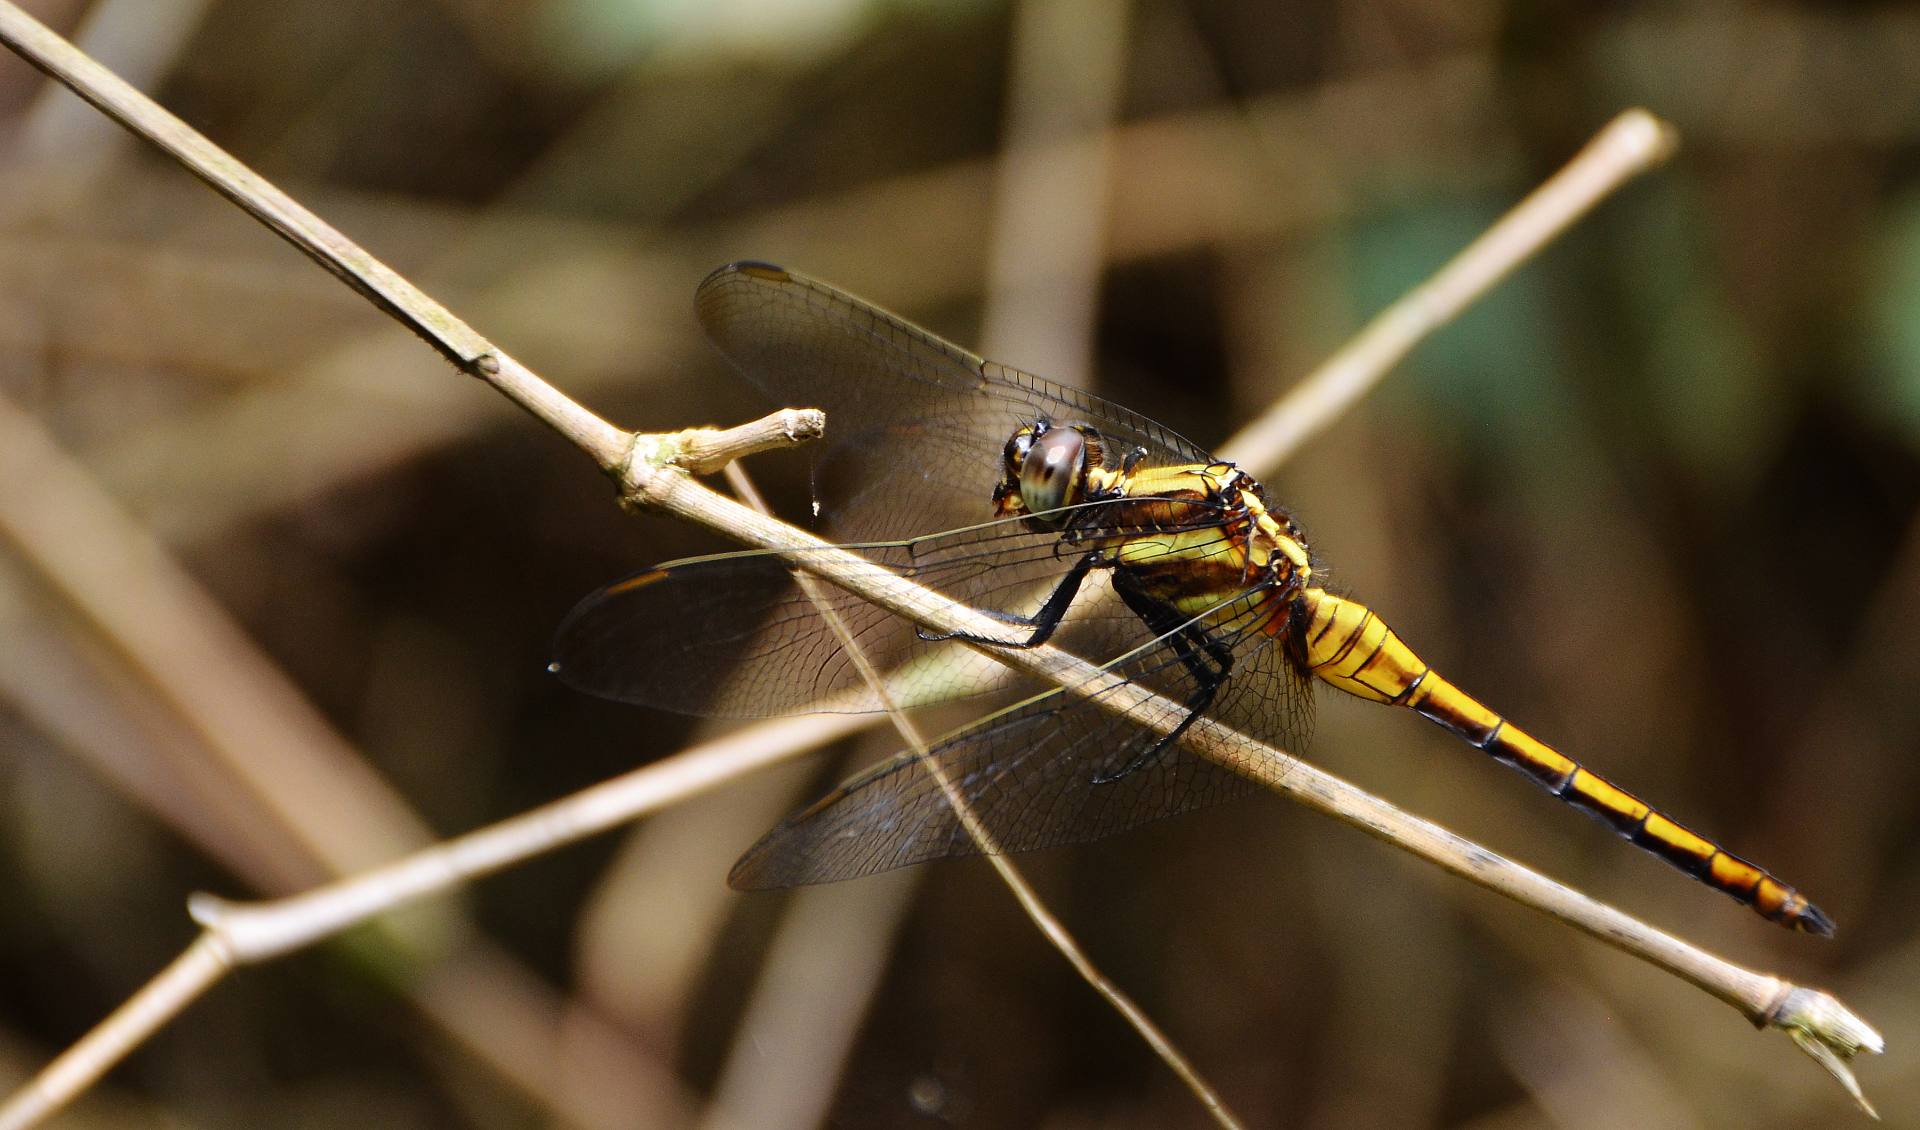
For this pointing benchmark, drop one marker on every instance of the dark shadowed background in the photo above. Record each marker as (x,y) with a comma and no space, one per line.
(1655,498)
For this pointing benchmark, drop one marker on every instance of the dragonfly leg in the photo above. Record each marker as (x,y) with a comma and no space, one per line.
(1188,641)
(1042,623)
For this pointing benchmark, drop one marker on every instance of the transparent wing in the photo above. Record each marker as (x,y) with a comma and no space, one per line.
(915,425)
(734,635)
(1051,770)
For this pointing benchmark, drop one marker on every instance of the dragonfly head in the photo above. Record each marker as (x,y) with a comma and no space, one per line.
(1045,469)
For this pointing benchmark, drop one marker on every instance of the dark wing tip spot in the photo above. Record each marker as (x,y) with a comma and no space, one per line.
(637,581)
(757,268)
(573,639)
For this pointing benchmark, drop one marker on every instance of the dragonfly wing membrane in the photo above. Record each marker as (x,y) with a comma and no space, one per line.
(1037,776)
(730,636)
(736,636)
(913,421)
(1059,768)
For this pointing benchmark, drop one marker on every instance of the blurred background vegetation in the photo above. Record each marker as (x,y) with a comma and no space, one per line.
(1655,498)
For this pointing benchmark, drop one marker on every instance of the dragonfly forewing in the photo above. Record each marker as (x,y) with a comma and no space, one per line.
(734,635)
(913,422)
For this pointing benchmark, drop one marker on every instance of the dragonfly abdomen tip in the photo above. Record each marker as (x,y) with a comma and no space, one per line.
(1810,919)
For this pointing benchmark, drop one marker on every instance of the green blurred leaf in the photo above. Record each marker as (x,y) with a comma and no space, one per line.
(1892,386)
(1709,392)
(1499,370)
(602,36)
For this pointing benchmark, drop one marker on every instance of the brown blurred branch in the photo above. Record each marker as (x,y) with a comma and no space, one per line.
(138,40)
(257,769)
(314,237)
(279,772)
(235,933)
(1179,182)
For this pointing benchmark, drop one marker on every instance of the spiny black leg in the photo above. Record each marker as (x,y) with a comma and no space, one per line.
(1221,651)
(1195,707)
(1042,622)
(1163,619)
(1180,635)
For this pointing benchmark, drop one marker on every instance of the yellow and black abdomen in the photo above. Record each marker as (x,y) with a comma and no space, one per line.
(1343,643)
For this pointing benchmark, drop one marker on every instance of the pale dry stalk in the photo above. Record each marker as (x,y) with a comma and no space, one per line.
(1036,910)
(235,933)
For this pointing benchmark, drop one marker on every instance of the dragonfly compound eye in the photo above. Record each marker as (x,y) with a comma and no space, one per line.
(1052,473)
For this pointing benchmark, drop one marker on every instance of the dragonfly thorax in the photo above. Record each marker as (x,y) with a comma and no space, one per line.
(1188,531)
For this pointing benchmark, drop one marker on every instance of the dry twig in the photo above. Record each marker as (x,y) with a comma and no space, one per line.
(1043,919)
(236,934)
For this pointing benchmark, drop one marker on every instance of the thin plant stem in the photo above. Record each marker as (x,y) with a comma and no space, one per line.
(1819,1023)
(1629,145)
(239,934)
(199,967)
(318,240)
(1043,918)
(293,803)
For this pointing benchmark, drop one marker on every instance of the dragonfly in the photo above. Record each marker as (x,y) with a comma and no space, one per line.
(1037,495)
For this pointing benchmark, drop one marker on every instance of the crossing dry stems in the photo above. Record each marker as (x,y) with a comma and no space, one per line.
(649,475)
